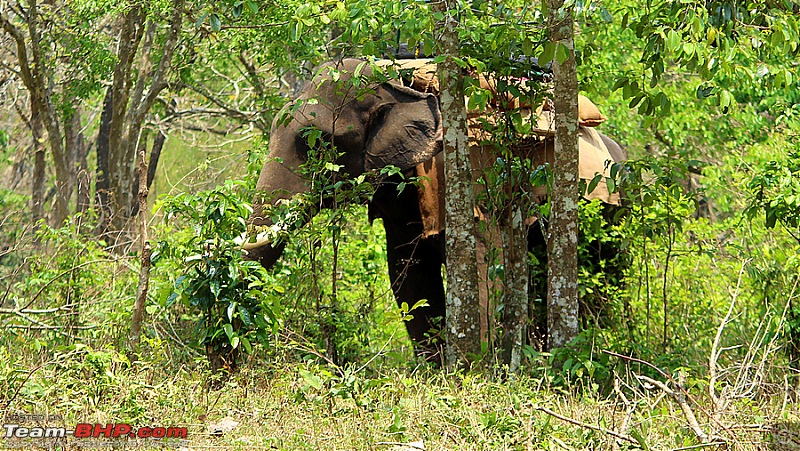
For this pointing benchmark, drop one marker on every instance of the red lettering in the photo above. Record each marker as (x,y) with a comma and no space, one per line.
(159,432)
(177,432)
(144,432)
(104,431)
(121,429)
(83,430)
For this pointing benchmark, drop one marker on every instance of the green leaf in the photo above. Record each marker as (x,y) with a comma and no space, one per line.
(246,344)
(216,24)
(527,47)
(612,184)
(228,328)
(311,379)
(621,82)
(638,437)
(213,285)
(726,99)
(673,40)
(547,53)
(244,314)
(704,91)
(297,31)
(593,183)
(562,53)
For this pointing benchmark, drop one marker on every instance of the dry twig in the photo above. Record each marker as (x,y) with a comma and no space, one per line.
(593,427)
(680,398)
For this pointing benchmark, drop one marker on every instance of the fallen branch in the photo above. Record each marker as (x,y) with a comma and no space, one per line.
(680,398)
(667,376)
(720,401)
(25,311)
(630,407)
(593,427)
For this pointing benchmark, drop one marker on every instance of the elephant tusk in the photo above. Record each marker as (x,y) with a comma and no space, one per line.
(261,240)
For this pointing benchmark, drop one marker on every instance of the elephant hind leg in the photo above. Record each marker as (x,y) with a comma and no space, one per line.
(415,267)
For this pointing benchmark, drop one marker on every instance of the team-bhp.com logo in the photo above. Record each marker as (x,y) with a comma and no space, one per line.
(88,430)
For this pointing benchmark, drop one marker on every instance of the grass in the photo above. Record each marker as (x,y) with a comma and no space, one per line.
(281,402)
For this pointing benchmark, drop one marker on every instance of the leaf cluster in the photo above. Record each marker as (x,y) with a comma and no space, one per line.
(216,281)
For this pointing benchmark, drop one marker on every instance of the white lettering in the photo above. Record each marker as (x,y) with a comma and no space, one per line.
(10,429)
(55,432)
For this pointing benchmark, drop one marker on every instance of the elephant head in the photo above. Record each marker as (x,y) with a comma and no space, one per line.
(372,125)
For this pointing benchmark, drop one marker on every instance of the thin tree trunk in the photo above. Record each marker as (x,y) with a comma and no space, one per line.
(40,91)
(84,200)
(77,151)
(515,308)
(137,315)
(44,115)
(562,243)
(462,330)
(102,187)
(155,155)
(37,194)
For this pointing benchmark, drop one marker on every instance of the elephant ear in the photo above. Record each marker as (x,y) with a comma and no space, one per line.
(403,130)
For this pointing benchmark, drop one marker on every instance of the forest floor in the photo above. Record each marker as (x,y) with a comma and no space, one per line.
(305,406)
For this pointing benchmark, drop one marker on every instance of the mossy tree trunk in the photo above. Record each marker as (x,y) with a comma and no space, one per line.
(562,243)
(462,332)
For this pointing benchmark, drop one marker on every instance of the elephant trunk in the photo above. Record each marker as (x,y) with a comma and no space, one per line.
(266,254)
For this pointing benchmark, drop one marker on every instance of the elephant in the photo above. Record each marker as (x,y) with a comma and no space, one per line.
(372,125)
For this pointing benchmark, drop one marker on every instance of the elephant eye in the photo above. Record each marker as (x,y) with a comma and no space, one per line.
(380,112)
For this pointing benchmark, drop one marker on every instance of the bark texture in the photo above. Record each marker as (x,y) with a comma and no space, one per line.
(562,242)
(133,91)
(462,332)
(515,308)
(137,315)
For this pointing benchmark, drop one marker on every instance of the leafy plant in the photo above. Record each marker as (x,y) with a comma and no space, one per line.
(216,281)
(776,192)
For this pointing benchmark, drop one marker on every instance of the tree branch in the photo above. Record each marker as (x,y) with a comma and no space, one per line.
(680,398)
(627,438)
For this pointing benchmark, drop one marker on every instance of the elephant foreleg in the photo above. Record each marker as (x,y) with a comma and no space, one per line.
(415,271)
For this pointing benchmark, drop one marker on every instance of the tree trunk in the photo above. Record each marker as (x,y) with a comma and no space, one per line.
(562,243)
(462,330)
(132,99)
(152,165)
(37,187)
(155,155)
(137,315)
(33,70)
(515,308)
(101,191)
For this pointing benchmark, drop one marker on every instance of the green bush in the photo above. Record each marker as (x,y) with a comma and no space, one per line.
(211,277)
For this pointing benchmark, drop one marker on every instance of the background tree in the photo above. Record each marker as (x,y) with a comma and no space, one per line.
(143,63)
(56,84)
